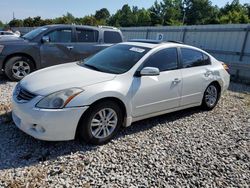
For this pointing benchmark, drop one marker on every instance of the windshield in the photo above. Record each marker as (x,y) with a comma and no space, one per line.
(117,59)
(32,34)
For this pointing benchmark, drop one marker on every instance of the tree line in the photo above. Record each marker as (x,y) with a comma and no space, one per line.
(165,12)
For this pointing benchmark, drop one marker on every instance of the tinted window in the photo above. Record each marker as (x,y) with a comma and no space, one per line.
(32,34)
(206,60)
(60,36)
(116,59)
(193,58)
(163,60)
(112,37)
(87,35)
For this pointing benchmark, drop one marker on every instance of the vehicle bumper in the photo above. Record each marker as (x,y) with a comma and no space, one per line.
(46,124)
(1,64)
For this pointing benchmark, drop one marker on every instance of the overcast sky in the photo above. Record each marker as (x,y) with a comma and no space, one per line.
(79,8)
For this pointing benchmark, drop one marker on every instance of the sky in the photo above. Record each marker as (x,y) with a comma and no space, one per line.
(79,8)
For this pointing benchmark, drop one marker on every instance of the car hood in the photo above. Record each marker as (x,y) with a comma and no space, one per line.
(11,39)
(56,78)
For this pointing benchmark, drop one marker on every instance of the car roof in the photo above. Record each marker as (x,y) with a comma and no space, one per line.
(154,44)
(83,26)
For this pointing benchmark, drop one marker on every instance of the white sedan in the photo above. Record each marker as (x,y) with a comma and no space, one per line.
(122,84)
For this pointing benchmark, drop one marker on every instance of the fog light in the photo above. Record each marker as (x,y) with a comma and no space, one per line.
(38,128)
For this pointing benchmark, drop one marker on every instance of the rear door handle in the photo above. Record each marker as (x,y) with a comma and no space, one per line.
(70,47)
(176,81)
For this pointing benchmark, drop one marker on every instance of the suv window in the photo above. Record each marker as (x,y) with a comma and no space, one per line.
(112,37)
(61,36)
(164,60)
(193,58)
(87,35)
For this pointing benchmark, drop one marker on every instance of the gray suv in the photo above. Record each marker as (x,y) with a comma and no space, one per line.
(52,45)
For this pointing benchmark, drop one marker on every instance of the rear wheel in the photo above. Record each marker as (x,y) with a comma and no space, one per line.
(18,67)
(101,123)
(211,97)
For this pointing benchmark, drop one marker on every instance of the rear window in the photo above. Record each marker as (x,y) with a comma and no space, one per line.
(87,35)
(112,37)
(193,58)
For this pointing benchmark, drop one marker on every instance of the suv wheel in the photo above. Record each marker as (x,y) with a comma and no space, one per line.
(18,67)
(211,97)
(100,123)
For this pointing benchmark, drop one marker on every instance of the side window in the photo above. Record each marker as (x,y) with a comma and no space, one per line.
(60,36)
(112,37)
(87,35)
(193,58)
(206,60)
(164,60)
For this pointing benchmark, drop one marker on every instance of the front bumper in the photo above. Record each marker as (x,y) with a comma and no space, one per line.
(46,124)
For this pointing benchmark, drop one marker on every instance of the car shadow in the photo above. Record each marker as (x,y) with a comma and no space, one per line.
(21,150)
(4,79)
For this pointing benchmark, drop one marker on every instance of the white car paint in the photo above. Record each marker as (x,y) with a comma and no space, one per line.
(143,97)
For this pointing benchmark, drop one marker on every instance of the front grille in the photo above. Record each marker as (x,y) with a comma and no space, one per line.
(25,95)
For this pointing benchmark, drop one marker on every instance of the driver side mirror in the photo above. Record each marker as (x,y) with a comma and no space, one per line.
(150,71)
(45,39)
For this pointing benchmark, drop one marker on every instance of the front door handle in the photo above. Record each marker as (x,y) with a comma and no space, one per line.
(176,81)
(70,47)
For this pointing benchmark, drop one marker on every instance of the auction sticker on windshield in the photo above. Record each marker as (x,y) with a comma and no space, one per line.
(136,49)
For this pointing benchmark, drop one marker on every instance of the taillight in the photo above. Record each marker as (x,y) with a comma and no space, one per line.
(225,67)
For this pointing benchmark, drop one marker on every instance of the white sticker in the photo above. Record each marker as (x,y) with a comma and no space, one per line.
(135,49)
(160,36)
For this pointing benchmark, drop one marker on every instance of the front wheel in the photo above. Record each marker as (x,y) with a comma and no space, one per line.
(18,67)
(211,97)
(101,123)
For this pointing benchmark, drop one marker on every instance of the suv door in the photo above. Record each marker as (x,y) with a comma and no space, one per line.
(196,73)
(152,94)
(59,48)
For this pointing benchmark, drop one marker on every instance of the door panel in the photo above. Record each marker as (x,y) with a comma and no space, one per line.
(195,81)
(59,49)
(156,93)
(196,75)
(87,43)
(54,54)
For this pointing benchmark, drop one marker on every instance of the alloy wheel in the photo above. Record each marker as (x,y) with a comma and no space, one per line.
(211,95)
(20,69)
(104,123)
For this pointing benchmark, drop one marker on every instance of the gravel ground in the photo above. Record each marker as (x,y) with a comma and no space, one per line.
(190,148)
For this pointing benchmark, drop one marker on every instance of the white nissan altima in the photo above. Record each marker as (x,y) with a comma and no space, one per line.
(122,84)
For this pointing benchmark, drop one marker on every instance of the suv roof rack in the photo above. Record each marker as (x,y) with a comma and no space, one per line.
(146,41)
(107,27)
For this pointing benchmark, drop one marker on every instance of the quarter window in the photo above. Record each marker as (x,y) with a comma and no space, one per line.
(61,36)
(193,58)
(164,60)
(87,35)
(112,37)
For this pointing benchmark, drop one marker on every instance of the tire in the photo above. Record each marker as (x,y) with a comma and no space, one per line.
(88,124)
(18,65)
(211,97)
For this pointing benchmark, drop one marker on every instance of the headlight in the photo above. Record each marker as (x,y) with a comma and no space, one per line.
(58,99)
(1,48)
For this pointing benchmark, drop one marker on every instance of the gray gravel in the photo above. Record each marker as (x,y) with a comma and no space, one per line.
(190,148)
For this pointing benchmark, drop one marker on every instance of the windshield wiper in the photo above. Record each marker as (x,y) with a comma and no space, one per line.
(92,67)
